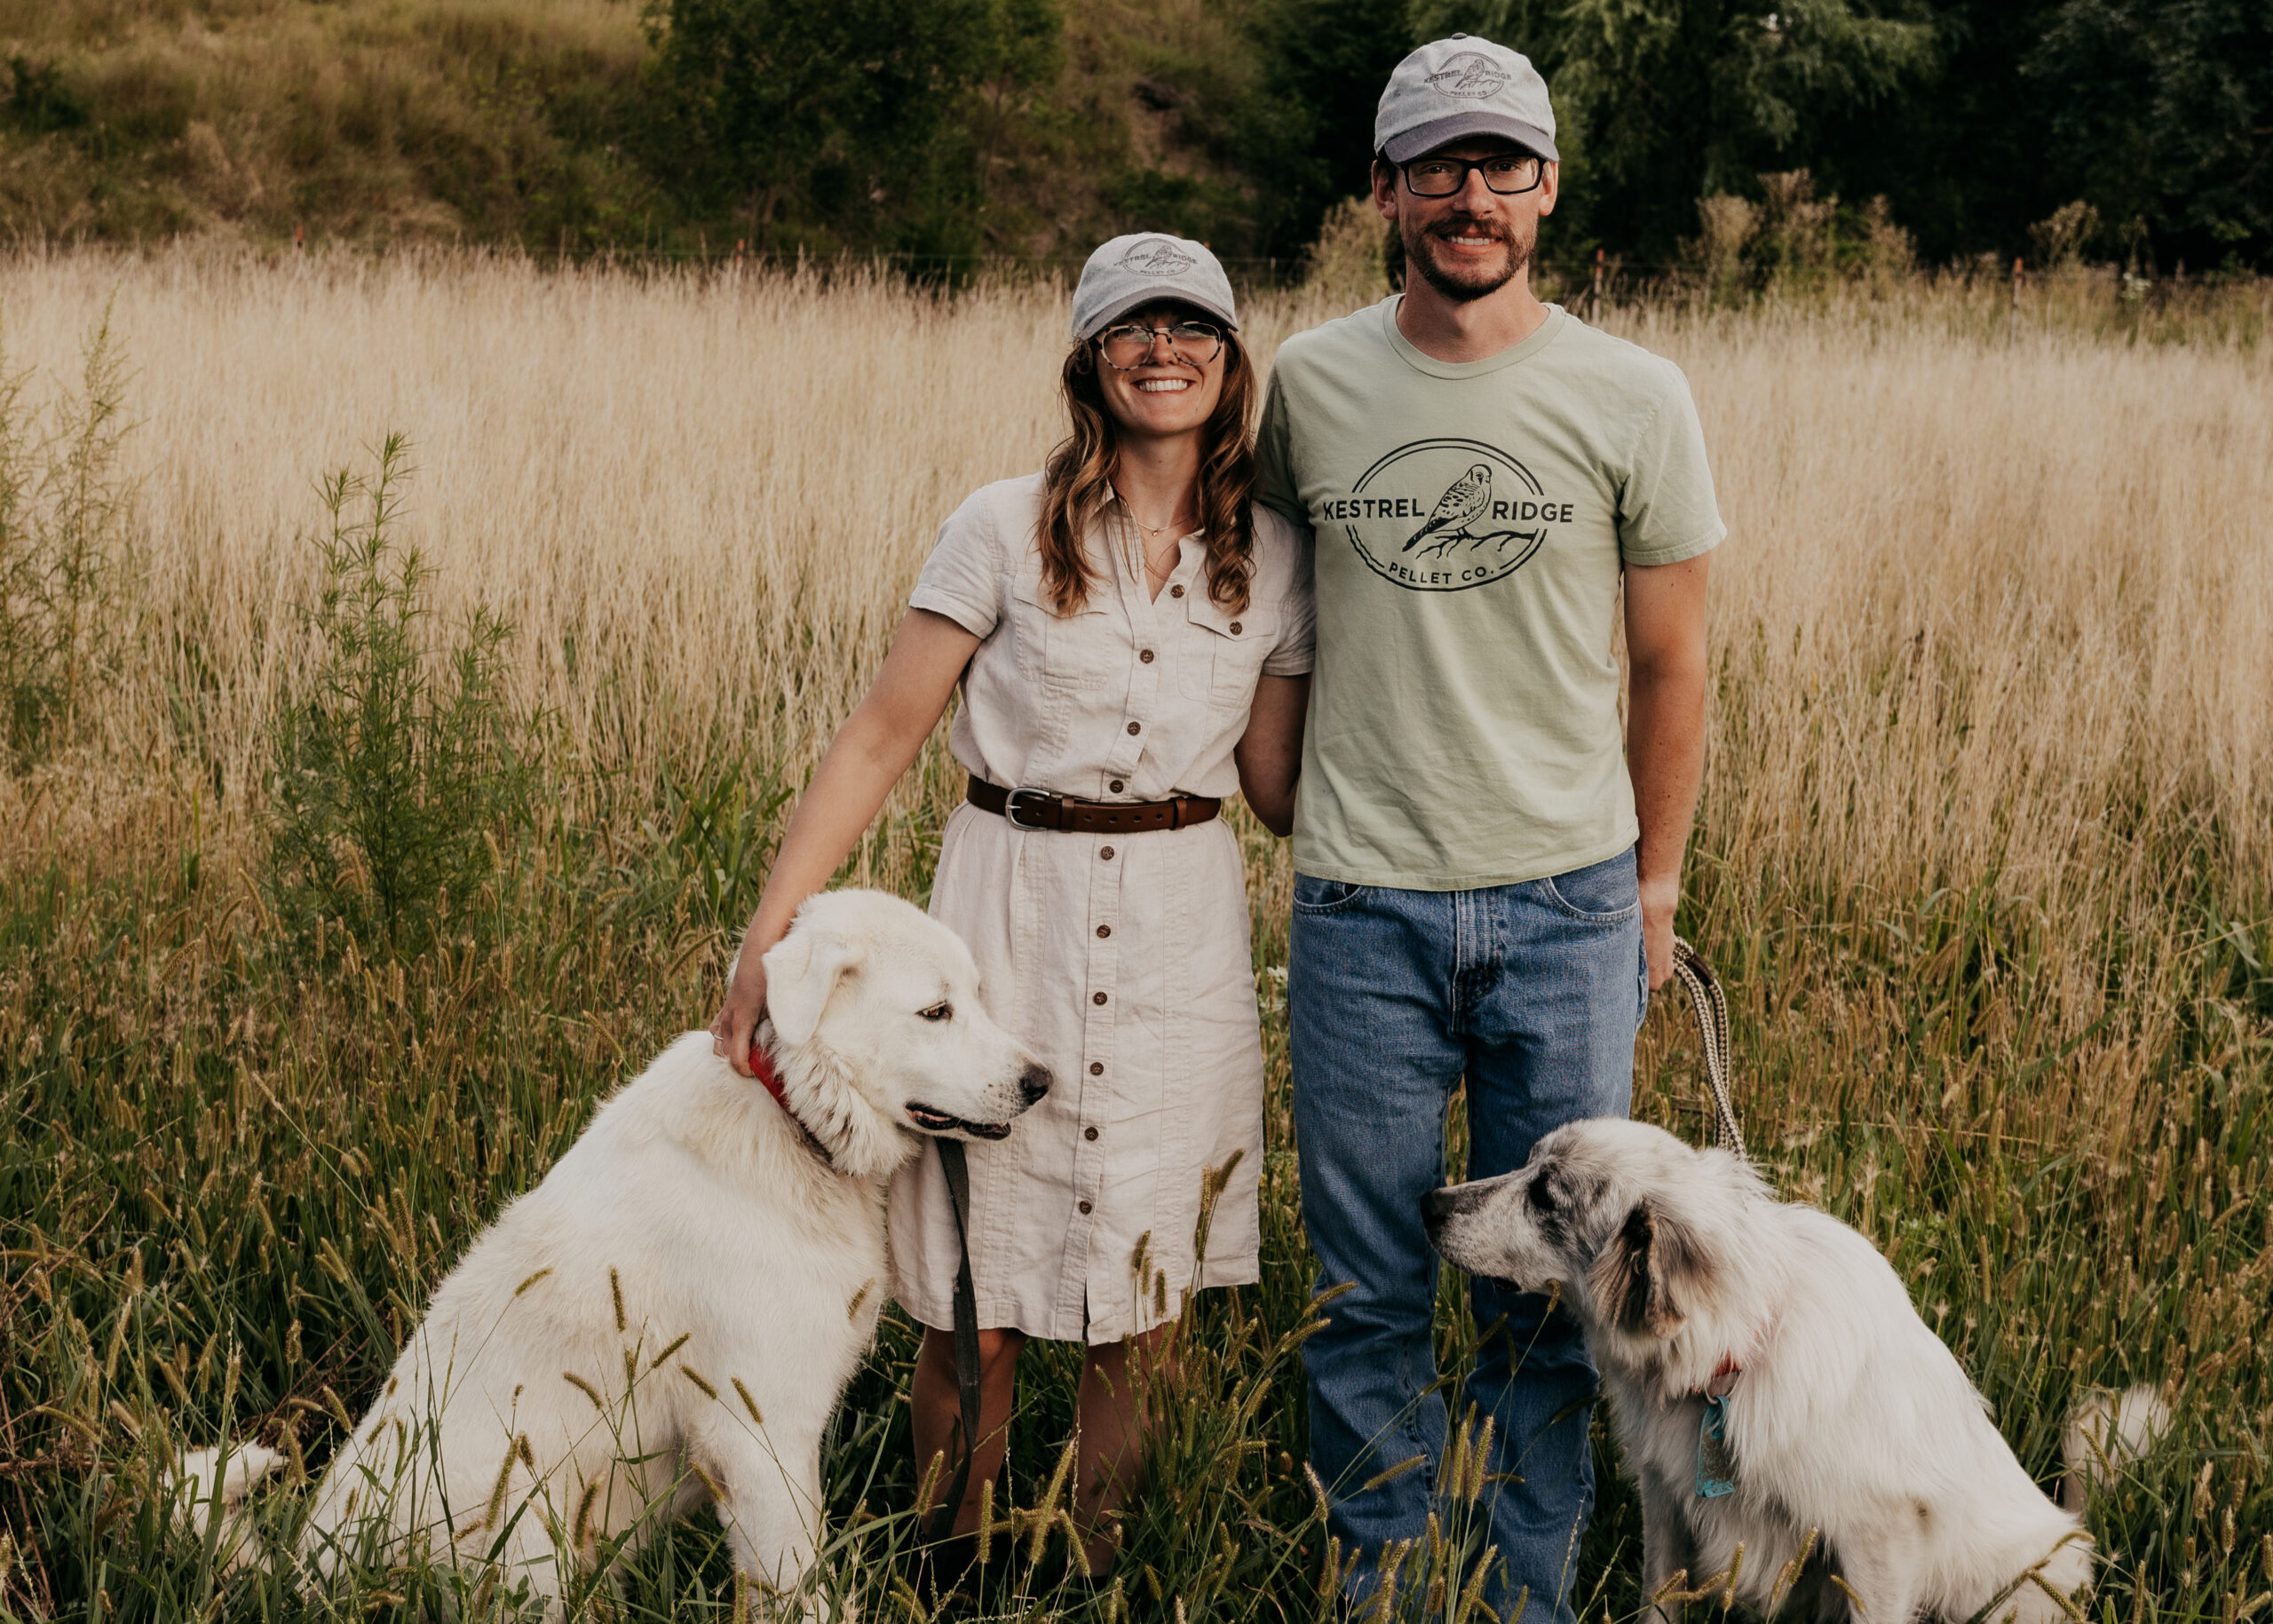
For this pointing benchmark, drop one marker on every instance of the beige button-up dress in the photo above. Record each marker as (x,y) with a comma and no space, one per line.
(1122,961)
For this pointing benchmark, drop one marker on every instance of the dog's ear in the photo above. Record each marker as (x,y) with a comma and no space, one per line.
(802,973)
(1649,1278)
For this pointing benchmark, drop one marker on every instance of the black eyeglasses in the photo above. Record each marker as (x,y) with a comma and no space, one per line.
(1506,173)
(1130,345)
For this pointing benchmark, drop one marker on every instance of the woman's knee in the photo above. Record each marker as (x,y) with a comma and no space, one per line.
(997,1349)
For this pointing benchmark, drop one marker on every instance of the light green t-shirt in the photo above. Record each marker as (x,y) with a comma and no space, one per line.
(1469,522)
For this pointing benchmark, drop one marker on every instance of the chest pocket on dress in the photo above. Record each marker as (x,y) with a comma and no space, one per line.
(1073,650)
(1223,652)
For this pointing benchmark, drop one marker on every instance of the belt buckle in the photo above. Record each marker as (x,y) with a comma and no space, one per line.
(1010,808)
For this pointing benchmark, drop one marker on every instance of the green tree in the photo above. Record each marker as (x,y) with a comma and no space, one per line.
(1661,102)
(1658,101)
(1310,134)
(799,110)
(2162,111)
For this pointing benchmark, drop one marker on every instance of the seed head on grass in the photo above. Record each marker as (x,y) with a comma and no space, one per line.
(1061,1478)
(1789,1573)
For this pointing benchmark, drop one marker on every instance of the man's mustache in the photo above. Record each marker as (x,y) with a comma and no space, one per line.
(1471,228)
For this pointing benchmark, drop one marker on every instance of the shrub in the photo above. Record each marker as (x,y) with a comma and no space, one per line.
(64,505)
(391,783)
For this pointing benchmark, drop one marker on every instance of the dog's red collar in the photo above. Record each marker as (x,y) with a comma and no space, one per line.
(762,1067)
(1723,1379)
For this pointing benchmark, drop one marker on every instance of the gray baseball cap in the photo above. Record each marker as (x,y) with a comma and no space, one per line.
(1134,271)
(1454,89)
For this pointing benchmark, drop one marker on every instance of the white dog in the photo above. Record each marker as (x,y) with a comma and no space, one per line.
(1770,1384)
(671,1315)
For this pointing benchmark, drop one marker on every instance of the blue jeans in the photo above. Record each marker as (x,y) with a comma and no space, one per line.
(1531,994)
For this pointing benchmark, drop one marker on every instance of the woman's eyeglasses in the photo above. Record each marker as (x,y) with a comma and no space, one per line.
(1130,345)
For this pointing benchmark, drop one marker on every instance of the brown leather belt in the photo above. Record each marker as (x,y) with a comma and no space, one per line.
(1040,809)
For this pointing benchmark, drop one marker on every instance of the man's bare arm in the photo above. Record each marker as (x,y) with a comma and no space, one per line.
(1665,734)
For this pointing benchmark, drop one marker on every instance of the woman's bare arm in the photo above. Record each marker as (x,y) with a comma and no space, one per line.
(1269,753)
(877,743)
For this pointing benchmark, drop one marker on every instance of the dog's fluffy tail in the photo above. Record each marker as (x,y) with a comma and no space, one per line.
(237,1470)
(2106,1430)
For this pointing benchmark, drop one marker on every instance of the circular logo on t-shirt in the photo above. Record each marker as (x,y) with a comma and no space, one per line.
(1445,515)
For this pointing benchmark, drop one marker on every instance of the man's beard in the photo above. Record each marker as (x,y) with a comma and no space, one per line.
(1466,285)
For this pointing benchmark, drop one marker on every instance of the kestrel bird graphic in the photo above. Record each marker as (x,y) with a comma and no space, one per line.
(1460,506)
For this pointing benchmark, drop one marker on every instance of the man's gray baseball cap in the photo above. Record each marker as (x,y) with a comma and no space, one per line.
(1143,268)
(1457,89)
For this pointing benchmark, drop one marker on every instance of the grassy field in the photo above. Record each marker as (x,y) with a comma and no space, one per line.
(1985,857)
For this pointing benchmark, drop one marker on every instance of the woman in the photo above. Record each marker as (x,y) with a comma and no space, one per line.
(1133,639)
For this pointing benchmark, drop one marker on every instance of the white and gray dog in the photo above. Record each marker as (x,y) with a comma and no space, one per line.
(1771,1385)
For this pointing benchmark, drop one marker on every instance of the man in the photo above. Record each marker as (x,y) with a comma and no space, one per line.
(1485,884)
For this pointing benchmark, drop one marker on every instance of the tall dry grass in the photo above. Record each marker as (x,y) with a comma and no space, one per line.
(1983,855)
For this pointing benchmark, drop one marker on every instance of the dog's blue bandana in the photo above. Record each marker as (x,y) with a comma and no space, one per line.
(1717,1468)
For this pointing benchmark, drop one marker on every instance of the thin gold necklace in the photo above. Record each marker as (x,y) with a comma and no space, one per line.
(1144,545)
(1129,508)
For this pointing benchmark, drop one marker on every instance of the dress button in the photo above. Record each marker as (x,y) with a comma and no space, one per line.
(1175,591)
(1085,1208)
(1098,998)
(1105,856)
(1096,1069)
(1103,932)
(1146,656)
(1134,728)
(1235,629)
(1115,785)
(1089,1133)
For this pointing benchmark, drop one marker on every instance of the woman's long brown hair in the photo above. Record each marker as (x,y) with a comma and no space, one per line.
(1077,481)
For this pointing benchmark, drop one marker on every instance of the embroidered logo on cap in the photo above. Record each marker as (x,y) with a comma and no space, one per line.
(1469,74)
(1157,256)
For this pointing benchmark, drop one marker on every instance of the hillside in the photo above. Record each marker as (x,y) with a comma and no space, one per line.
(540,121)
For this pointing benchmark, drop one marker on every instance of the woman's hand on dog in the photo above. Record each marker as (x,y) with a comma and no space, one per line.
(735,1025)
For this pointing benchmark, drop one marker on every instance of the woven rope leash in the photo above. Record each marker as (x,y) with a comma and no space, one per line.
(1712,1007)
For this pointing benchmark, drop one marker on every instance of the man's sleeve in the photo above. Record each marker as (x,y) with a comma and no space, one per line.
(962,578)
(1667,511)
(1275,487)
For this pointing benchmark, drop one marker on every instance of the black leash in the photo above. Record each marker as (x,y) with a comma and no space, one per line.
(942,1521)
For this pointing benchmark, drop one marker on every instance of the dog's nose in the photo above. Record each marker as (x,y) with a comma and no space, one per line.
(1034,1083)
(1436,1207)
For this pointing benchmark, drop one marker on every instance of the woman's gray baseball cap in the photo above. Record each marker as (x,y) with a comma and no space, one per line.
(1456,89)
(1142,268)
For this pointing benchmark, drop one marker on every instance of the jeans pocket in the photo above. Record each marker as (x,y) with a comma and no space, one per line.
(1316,895)
(1608,893)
